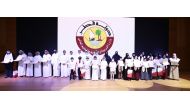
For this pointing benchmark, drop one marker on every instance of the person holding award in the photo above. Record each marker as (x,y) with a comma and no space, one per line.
(21,58)
(8,62)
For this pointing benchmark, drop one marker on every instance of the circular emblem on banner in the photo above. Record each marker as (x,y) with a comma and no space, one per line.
(95,36)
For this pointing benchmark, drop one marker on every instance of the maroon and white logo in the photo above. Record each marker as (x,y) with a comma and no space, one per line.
(95,36)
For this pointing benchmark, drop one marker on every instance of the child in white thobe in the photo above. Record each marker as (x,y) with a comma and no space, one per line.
(112,66)
(120,68)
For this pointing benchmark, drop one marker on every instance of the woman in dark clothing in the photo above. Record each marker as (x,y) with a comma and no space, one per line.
(125,70)
(116,58)
(133,55)
(126,57)
(108,59)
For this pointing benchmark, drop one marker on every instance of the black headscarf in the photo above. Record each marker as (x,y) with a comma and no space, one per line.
(116,57)
(126,57)
(108,58)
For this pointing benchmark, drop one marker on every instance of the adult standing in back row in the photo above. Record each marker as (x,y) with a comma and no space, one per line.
(37,65)
(116,58)
(108,59)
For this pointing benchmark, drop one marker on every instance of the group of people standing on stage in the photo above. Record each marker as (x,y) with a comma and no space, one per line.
(94,67)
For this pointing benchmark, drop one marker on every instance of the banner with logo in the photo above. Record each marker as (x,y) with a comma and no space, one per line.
(96,35)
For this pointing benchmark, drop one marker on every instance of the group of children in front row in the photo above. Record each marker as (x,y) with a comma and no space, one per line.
(93,67)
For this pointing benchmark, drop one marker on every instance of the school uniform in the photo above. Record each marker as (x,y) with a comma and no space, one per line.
(79,65)
(72,65)
(137,68)
(120,69)
(144,72)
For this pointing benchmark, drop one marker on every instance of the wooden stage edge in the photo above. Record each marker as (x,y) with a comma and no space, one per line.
(64,84)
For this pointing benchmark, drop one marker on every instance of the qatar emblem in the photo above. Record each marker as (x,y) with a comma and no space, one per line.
(95,36)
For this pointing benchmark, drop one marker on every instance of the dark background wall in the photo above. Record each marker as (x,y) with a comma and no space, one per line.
(151,35)
(36,33)
(7,37)
(179,40)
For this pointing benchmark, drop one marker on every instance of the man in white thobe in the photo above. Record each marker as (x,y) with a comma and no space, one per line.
(56,64)
(64,64)
(37,65)
(95,68)
(99,58)
(103,67)
(8,62)
(47,69)
(29,62)
(21,63)
(87,66)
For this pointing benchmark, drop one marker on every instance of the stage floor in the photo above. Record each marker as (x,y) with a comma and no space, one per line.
(64,84)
